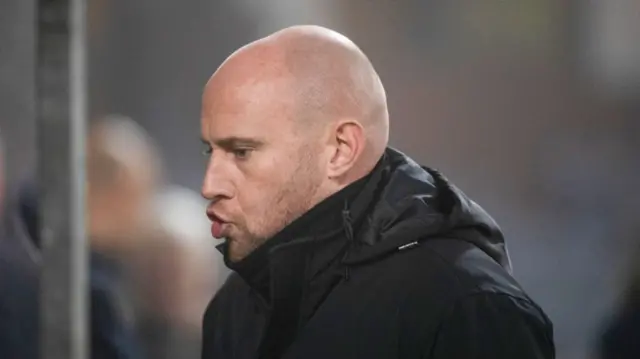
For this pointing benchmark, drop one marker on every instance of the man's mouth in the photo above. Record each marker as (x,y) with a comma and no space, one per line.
(218,225)
(217,229)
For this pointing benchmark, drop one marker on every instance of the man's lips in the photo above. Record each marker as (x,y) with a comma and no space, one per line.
(215,217)
(218,225)
(217,229)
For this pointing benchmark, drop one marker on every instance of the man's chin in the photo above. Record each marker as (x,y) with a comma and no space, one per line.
(237,249)
(233,254)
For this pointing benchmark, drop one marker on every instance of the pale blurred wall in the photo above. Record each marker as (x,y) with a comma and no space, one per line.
(494,93)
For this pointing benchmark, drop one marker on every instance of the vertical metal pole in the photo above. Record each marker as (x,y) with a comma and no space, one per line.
(61,110)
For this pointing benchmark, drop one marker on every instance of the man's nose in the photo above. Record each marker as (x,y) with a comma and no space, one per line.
(215,185)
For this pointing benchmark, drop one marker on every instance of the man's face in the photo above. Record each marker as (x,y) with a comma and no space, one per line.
(263,171)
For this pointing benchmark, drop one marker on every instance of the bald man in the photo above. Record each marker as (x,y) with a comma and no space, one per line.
(342,247)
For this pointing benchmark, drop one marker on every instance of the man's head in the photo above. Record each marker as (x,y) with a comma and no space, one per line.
(123,169)
(288,120)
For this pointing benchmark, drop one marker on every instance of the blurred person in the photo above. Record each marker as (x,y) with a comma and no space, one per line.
(174,276)
(619,339)
(124,171)
(341,246)
(19,289)
(121,172)
(111,336)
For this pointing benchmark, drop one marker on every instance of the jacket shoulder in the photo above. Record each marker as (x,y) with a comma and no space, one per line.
(459,294)
(466,268)
(440,272)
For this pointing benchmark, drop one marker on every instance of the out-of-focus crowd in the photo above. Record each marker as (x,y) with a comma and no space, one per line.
(153,265)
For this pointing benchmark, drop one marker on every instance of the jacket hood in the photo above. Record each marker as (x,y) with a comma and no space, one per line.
(413,203)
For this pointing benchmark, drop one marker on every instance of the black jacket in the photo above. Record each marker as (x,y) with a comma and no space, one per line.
(404,265)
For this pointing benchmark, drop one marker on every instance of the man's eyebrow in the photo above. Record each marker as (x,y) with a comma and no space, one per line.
(235,142)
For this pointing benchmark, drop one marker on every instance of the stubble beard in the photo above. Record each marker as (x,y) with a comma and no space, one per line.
(296,197)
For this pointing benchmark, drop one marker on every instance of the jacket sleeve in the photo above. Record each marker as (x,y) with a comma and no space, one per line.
(494,326)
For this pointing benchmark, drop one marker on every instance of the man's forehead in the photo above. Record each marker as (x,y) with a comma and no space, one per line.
(251,121)
(246,89)
(254,102)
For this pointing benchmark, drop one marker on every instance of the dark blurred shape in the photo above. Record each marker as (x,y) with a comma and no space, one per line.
(111,337)
(18,288)
(18,306)
(19,330)
(19,292)
(621,337)
(121,176)
(27,207)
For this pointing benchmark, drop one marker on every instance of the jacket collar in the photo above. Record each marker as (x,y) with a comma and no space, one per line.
(303,270)
(318,238)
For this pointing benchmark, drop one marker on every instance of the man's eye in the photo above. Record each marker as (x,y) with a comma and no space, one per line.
(207,151)
(242,153)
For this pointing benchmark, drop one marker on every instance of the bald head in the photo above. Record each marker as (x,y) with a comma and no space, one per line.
(316,75)
(289,120)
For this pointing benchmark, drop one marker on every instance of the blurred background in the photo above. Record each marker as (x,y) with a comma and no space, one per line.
(532,107)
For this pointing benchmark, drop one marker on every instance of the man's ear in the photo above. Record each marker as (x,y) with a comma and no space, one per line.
(349,140)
